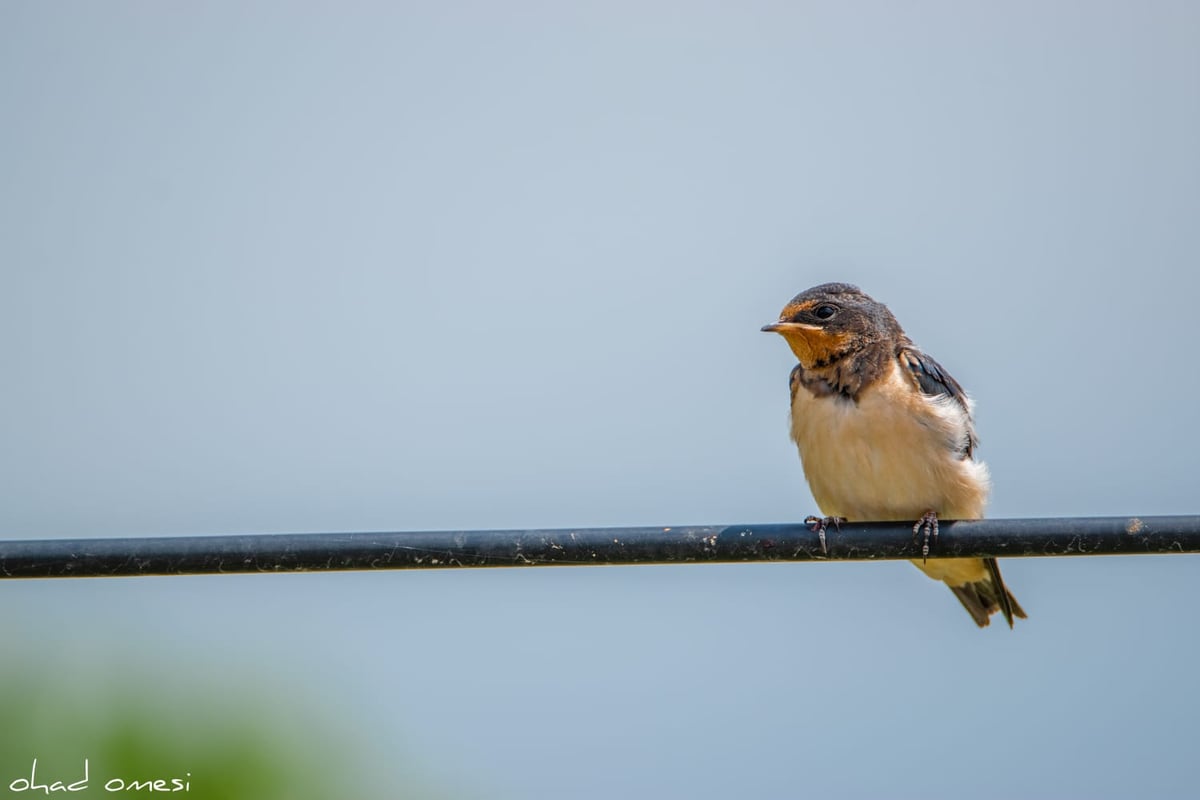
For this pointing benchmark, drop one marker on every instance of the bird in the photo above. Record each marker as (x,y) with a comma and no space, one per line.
(885,433)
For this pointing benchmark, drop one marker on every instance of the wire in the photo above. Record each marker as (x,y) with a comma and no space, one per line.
(318,552)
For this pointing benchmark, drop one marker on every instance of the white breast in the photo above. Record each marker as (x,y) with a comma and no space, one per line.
(894,454)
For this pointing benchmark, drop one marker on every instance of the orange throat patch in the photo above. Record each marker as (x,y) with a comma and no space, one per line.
(814,346)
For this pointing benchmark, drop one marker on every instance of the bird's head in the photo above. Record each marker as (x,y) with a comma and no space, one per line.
(830,321)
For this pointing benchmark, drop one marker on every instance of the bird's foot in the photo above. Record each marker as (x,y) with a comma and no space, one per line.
(926,527)
(819,525)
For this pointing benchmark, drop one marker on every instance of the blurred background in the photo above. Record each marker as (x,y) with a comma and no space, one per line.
(280,267)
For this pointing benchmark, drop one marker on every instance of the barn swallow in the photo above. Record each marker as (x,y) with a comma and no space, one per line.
(885,433)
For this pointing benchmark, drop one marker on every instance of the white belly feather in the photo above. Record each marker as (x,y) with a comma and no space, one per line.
(893,455)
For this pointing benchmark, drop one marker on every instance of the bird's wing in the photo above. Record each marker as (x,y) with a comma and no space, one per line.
(934,381)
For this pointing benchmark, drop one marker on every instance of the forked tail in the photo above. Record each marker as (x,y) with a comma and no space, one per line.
(985,597)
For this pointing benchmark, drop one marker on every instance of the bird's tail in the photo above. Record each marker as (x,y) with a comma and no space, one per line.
(986,596)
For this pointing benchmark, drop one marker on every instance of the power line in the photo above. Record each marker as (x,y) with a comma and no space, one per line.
(319,552)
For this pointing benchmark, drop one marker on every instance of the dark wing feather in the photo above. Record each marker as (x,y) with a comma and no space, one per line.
(935,381)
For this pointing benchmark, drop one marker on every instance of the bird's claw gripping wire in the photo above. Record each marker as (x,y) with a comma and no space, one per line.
(819,525)
(927,528)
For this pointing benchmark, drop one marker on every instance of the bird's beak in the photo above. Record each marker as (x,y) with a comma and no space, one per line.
(784,327)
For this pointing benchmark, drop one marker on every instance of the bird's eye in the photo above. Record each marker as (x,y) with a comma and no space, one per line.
(824,312)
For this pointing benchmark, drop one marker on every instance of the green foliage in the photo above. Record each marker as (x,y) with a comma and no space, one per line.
(230,747)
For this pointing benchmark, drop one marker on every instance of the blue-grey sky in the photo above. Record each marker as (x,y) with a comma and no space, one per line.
(297,267)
